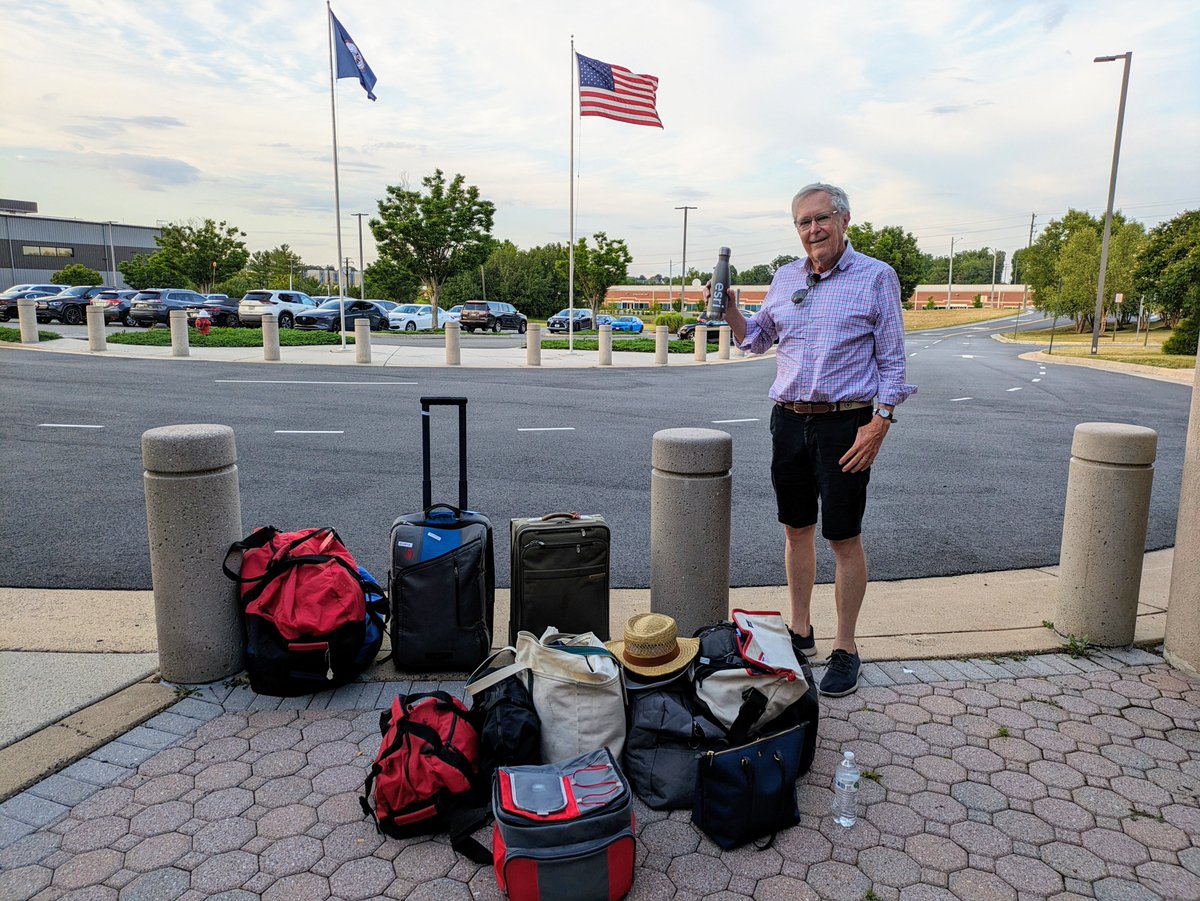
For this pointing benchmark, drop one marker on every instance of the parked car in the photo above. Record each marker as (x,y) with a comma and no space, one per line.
(558,322)
(284,305)
(411,317)
(223,312)
(493,315)
(328,316)
(216,297)
(8,300)
(68,306)
(628,324)
(688,332)
(455,313)
(116,306)
(155,304)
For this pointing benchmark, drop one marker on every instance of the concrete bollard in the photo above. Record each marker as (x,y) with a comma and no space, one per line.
(362,341)
(1182,645)
(700,336)
(1104,531)
(27,316)
(97,338)
(193,514)
(270,333)
(690,502)
(605,345)
(179,334)
(661,339)
(723,338)
(453,343)
(533,345)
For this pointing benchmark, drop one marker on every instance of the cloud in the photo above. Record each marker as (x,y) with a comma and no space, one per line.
(952,108)
(108,126)
(150,173)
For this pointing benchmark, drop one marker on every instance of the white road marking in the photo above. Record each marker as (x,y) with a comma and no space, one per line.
(66,425)
(1013,389)
(299,382)
(968,356)
(719,421)
(955,400)
(310,431)
(568,428)
(1036,380)
(914,353)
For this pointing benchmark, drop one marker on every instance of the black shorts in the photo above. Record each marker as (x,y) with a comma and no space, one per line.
(804,470)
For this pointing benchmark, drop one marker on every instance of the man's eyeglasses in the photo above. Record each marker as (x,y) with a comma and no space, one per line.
(822,219)
(801,293)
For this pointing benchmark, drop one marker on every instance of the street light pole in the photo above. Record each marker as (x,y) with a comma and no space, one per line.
(950,277)
(992,299)
(683,265)
(1112,189)
(362,282)
(112,252)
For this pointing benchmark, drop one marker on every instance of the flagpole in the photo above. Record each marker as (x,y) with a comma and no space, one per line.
(337,194)
(571,228)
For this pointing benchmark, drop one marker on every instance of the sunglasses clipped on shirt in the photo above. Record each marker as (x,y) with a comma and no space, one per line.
(801,293)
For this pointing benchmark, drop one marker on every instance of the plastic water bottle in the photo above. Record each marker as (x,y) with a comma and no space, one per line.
(720,286)
(845,791)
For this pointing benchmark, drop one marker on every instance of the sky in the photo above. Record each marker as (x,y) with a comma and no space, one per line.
(953,120)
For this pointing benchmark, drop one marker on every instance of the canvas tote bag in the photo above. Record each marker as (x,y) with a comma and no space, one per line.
(578,691)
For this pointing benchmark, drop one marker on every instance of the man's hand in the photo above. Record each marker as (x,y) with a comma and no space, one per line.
(866,445)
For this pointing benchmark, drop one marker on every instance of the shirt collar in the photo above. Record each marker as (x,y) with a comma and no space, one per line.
(844,262)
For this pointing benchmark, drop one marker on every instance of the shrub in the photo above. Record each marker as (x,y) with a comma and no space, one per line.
(907,304)
(672,321)
(1184,339)
(930,305)
(978,304)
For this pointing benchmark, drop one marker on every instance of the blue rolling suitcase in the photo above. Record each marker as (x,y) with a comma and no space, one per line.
(442,582)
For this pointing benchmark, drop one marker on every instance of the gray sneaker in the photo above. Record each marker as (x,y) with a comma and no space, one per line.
(841,674)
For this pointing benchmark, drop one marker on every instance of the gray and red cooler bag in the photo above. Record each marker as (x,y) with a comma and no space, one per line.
(564,831)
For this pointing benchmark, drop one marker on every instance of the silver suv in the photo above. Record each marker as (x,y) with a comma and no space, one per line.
(285,305)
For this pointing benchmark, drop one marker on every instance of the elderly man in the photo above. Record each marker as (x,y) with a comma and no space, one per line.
(840,373)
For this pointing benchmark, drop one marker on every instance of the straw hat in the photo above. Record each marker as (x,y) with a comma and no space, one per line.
(652,646)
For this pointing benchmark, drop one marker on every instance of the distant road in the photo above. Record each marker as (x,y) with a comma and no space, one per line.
(972,477)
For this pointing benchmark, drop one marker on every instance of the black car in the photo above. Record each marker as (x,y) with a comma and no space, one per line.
(328,317)
(8,301)
(222,312)
(492,315)
(688,332)
(560,320)
(155,304)
(116,306)
(69,306)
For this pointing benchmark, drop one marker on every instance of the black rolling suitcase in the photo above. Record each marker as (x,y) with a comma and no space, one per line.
(560,566)
(443,577)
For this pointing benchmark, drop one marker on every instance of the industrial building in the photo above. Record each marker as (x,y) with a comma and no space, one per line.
(34,247)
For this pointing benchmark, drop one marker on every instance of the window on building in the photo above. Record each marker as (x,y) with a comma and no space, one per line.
(33,250)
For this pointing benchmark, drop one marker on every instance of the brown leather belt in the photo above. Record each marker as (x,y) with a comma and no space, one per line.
(797,407)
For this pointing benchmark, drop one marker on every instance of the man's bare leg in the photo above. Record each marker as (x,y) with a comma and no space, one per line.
(850,586)
(800,563)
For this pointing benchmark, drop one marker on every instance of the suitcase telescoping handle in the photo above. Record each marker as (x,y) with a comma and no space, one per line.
(427,482)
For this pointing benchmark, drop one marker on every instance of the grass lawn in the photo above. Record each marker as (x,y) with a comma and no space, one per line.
(14,335)
(919,320)
(1144,348)
(228,337)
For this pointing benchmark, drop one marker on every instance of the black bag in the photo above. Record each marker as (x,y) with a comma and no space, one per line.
(443,575)
(560,567)
(666,736)
(749,791)
(510,730)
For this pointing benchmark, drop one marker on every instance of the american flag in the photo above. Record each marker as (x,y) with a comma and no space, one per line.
(616,93)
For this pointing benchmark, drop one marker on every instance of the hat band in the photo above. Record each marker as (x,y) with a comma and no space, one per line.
(650,661)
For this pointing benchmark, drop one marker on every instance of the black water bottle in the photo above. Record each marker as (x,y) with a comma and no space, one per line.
(719,287)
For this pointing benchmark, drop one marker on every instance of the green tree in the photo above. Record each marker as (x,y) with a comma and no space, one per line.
(77,274)
(238,284)
(598,268)
(1168,267)
(435,234)
(780,261)
(894,246)
(143,271)
(1125,243)
(756,275)
(200,255)
(1079,270)
(389,280)
(279,268)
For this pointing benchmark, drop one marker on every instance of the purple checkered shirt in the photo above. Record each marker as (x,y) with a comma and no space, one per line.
(844,341)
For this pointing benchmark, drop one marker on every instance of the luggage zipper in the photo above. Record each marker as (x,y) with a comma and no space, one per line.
(328,666)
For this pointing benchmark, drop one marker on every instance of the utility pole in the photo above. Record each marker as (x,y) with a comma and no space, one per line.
(1024,281)
(683,265)
(362,282)
(992,298)
(950,277)
(483,283)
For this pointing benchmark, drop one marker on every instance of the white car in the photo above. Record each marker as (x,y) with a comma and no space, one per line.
(284,305)
(411,317)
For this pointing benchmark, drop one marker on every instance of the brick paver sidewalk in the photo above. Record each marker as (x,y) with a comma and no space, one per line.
(1012,779)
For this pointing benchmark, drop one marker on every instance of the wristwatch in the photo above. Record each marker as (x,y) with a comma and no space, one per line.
(886,414)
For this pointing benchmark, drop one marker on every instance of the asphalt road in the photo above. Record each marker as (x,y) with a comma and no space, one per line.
(972,478)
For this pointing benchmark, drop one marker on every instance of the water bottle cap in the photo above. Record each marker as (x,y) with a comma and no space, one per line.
(724,252)
(849,756)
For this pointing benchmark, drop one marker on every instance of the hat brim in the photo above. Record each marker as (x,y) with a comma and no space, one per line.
(688,649)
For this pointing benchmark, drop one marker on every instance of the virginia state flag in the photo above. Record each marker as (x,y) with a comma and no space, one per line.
(350,63)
